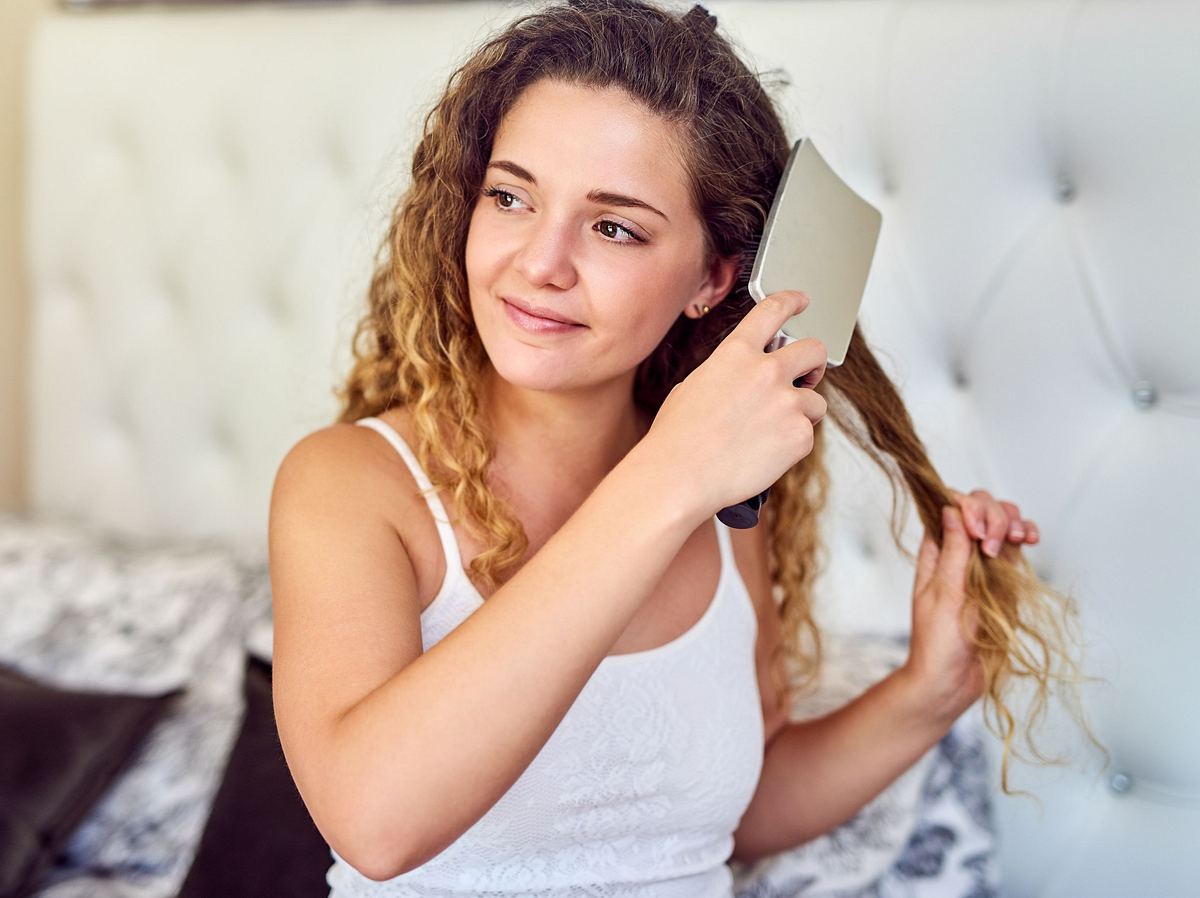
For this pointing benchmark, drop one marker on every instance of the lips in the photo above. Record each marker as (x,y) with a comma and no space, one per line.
(539,311)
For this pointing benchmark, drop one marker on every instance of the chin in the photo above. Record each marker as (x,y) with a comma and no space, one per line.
(546,375)
(530,367)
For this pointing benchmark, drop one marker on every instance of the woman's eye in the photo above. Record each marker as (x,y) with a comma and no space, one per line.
(500,196)
(633,238)
(504,200)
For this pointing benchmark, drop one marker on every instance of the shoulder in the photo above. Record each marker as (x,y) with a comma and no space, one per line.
(338,456)
(344,465)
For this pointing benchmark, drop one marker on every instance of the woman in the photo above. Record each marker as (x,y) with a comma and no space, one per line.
(558,383)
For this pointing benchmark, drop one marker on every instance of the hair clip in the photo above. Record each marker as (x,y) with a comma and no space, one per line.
(701,15)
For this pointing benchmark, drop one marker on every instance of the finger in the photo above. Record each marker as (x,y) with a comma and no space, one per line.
(805,361)
(763,322)
(815,407)
(956,550)
(927,559)
(972,512)
(1031,532)
(1016,527)
(970,620)
(996,527)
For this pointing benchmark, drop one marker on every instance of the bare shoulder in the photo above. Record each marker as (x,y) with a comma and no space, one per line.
(345,456)
(344,595)
(352,465)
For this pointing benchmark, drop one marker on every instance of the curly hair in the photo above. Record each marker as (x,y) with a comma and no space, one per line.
(417,344)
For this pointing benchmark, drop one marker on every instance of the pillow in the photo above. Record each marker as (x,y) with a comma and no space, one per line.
(260,839)
(80,608)
(61,750)
(85,609)
(929,833)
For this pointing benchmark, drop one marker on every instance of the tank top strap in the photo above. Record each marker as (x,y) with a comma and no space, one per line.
(440,518)
(725,542)
(730,567)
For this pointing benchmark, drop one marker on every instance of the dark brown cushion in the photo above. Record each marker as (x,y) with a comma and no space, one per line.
(59,752)
(259,839)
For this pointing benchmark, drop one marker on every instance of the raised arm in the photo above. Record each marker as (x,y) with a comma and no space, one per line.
(398,752)
(394,768)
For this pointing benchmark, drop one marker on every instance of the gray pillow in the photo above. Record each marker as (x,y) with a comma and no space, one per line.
(81,609)
(61,750)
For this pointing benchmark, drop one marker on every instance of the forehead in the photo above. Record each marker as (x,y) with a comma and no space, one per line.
(579,138)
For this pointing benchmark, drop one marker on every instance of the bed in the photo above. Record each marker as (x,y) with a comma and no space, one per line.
(204,190)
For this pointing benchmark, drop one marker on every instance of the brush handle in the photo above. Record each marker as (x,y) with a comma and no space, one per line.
(745,514)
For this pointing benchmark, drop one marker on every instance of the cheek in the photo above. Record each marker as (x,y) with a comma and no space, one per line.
(479,266)
(655,296)
(644,305)
(475,254)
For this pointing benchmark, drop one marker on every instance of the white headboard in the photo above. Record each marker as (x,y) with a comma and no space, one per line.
(207,186)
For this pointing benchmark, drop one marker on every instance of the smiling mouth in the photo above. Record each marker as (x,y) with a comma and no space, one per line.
(536,312)
(535,323)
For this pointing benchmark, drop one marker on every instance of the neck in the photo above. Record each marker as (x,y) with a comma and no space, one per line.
(566,441)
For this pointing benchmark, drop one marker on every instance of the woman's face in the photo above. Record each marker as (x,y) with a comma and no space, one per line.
(588,218)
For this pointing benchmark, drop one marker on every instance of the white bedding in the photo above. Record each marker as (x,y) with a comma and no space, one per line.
(81,609)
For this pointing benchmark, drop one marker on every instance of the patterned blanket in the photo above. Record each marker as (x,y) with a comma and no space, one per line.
(80,609)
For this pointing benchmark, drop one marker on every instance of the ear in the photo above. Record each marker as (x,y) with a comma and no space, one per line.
(715,286)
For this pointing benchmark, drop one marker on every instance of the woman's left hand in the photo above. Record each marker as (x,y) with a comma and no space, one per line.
(994,521)
(942,659)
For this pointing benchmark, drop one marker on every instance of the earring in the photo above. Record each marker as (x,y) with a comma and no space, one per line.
(702,314)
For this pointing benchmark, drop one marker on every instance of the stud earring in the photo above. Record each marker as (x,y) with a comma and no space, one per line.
(703,313)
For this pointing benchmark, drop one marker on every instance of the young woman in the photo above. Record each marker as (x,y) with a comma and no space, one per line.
(515,651)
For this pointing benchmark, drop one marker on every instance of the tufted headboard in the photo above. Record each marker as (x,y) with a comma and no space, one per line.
(206,188)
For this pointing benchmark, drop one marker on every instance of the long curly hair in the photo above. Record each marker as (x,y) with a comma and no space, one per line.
(417,344)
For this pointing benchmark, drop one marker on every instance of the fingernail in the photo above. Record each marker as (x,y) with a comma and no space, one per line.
(993,547)
(1018,533)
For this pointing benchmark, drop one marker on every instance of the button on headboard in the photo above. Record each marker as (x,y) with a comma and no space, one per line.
(207,187)
(206,191)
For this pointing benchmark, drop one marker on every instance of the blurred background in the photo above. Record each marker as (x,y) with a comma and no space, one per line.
(16,25)
(190,197)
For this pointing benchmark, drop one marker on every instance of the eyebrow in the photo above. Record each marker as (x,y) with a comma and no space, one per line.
(595,196)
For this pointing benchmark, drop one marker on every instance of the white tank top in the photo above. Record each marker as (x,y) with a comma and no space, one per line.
(641,785)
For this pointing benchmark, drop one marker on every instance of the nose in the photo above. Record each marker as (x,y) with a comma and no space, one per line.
(546,255)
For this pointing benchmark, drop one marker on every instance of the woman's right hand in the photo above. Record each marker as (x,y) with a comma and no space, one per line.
(732,427)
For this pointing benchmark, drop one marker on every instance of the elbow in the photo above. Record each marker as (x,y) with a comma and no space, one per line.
(385,844)
(377,863)
(743,852)
(742,855)
(383,832)
(751,844)
(385,863)
(374,850)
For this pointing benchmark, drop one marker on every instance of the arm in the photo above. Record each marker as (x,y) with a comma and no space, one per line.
(399,767)
(819,773)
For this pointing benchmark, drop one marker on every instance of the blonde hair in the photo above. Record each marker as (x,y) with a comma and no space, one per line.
(417,344)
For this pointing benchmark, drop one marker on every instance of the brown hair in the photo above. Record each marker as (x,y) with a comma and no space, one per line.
(417,344)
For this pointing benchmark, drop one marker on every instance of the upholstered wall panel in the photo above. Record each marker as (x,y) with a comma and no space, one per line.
(207,187)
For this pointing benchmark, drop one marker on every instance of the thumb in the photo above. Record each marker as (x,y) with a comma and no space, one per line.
(762,323)
(927,559)
(956,548)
